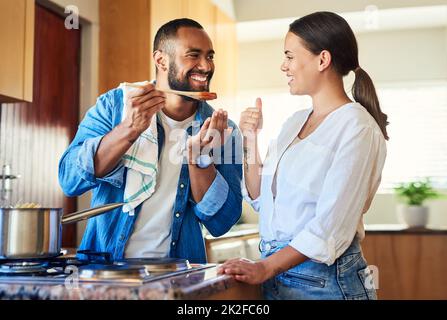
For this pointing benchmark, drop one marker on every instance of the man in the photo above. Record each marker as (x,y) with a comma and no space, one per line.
(186,195)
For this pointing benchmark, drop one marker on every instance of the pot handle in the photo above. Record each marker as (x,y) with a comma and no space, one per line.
(85,214)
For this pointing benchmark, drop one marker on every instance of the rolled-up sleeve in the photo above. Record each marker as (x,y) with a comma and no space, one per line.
(221,206)
(254,203)
(76,166)
(214,198)
(86,164)
(349,184)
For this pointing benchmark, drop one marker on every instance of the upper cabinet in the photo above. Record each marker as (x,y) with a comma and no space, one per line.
(204,12)
(124,42)
(222,30)
(127,33)
(226,59)
(17,50)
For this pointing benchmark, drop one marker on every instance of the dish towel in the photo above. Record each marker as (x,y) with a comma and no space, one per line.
(141,160)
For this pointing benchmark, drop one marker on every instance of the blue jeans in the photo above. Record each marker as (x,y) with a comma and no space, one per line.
(348,278)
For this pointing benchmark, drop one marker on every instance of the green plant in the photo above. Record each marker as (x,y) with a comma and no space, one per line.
(415,193)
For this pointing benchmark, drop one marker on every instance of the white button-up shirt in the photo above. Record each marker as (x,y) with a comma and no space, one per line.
(325,182)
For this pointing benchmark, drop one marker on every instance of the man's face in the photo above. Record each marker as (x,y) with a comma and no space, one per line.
(191,64)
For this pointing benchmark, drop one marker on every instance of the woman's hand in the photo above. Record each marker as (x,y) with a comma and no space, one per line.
(245,270)
(256,272)
(251,120)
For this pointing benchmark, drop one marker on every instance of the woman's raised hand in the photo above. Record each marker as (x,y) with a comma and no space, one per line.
(251,120)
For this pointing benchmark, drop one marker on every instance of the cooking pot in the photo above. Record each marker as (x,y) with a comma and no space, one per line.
(33,233)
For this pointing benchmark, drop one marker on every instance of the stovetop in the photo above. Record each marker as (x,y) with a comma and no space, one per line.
(96,267)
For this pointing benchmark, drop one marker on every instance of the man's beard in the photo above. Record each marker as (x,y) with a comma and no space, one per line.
(183,84)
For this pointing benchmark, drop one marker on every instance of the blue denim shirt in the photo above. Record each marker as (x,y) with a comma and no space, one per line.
(218,211)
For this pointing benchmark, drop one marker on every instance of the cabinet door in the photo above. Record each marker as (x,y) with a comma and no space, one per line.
(225,60)
(222,31)
(162,12)
(123,42)
(204,12)
(17,47)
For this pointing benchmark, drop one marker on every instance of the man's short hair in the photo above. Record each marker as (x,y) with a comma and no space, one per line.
(169,31)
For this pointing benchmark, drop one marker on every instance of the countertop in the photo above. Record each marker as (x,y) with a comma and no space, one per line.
(201,284)
(402,229)
(242,230)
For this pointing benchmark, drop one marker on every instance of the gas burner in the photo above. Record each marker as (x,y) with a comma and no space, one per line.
(24,267)
(96,257)
(107,272)
(63,262)
(156,264)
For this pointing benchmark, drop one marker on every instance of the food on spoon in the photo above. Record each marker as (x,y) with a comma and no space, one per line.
(203,95)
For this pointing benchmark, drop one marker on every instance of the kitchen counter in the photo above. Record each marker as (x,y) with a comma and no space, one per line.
(244,230)
(409,263)
(401,228)
(201,284)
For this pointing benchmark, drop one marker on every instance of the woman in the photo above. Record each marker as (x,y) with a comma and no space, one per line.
(319,176)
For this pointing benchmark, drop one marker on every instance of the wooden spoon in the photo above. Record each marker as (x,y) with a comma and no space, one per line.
(192,94)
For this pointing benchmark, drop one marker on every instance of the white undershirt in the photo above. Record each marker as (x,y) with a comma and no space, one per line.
(152,231)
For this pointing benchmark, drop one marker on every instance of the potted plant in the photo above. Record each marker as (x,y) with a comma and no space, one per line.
(414,194)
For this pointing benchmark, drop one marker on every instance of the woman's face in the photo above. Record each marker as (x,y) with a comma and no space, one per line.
(300,66)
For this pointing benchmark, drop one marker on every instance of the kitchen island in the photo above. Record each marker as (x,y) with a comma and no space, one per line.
(196,285)
(409,262)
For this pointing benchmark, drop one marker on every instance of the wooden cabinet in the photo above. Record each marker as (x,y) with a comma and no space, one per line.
(222,31)
(226,47)
(127,32)
(204,12)
(409,265)
(17,49)
(124,42)
(162,12)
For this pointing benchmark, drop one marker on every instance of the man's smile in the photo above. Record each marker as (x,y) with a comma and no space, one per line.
(199,77)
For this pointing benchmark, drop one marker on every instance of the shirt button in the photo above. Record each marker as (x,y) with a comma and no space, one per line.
(122,237)
(182,185)
(173,243)
(268,246)
(177,214)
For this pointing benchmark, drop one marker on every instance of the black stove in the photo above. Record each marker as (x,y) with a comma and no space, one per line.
(97,267)
(51,265)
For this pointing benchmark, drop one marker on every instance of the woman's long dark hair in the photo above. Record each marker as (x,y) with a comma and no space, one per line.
(328,31)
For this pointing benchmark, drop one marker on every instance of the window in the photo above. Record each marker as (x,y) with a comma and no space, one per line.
(417,148)
(417,113)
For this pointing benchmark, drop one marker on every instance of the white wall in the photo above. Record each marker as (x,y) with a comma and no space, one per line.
(407,55)
(248,10)
(391,56)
